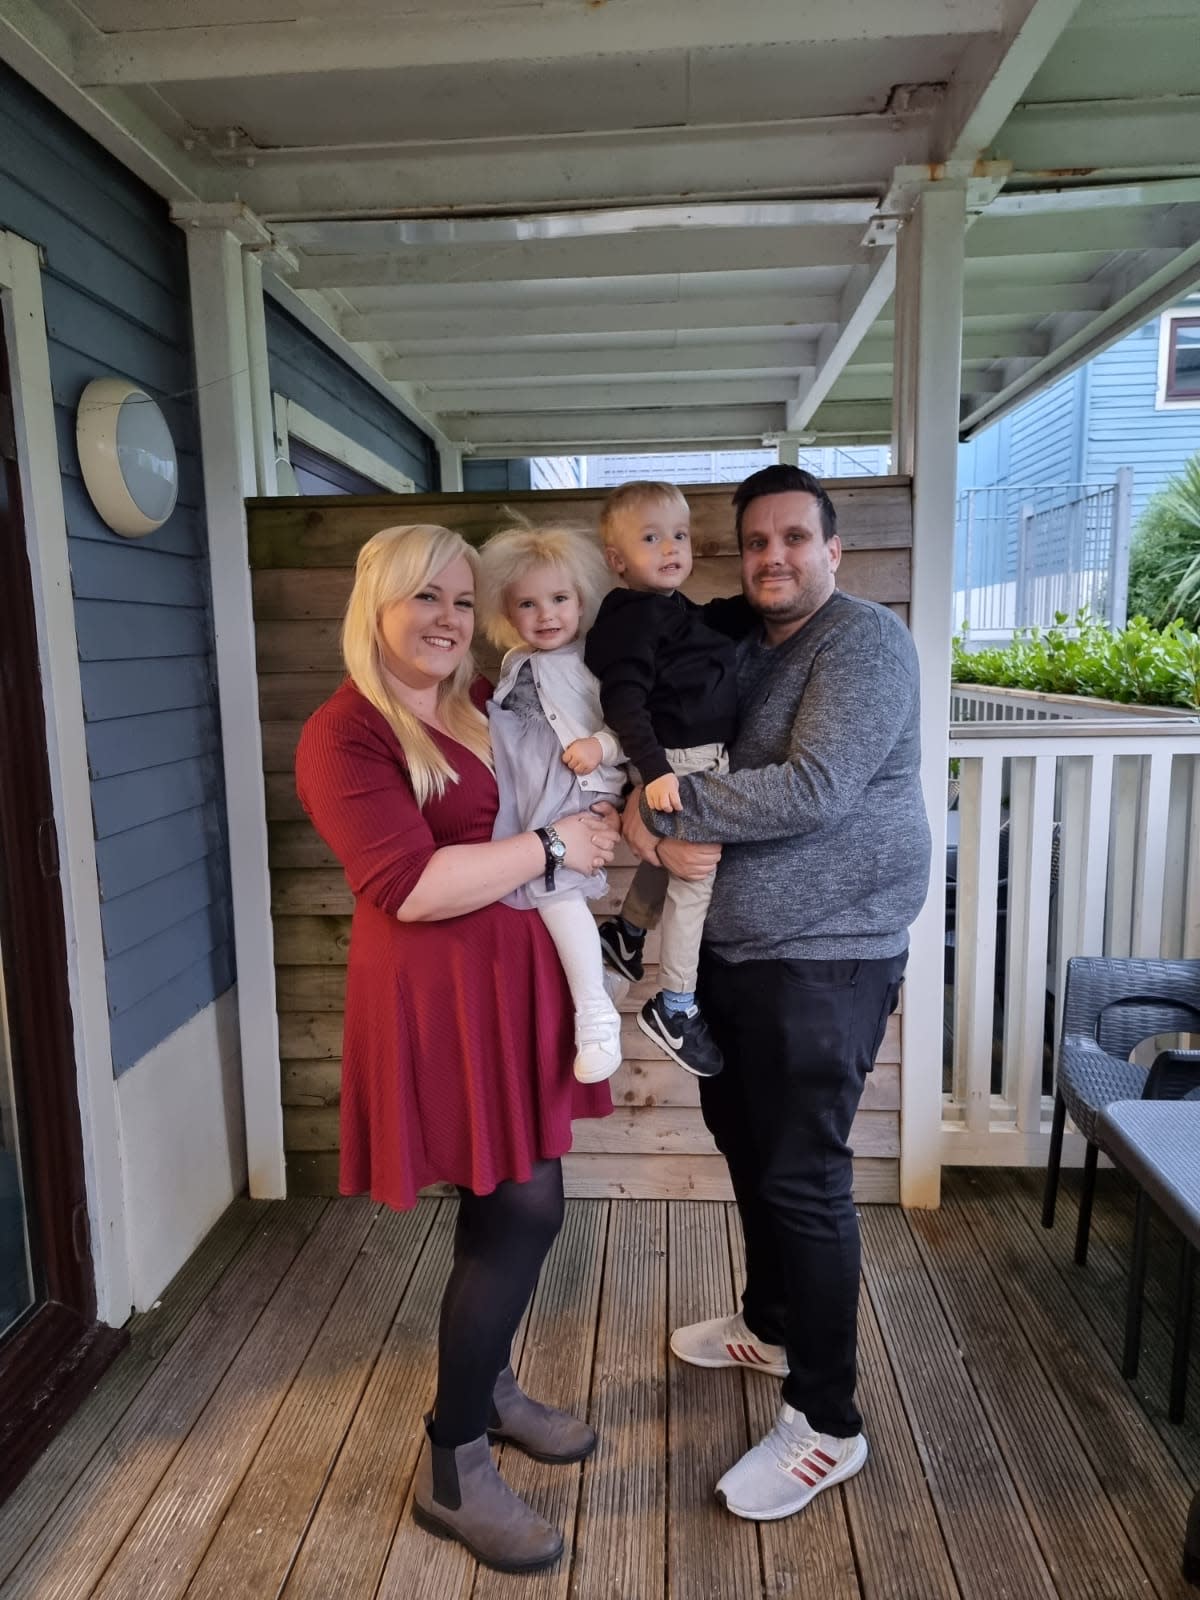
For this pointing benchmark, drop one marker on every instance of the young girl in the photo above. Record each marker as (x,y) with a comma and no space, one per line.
(539,591)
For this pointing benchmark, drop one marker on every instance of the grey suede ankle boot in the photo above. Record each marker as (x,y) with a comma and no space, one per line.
(541,1431)
(460,1495)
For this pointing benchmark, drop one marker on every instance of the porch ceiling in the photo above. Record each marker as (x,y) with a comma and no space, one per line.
(568,224)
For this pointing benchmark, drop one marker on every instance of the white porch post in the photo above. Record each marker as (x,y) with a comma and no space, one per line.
(789,451)
(262,411)
(228,439)
(451,459)
(929,299)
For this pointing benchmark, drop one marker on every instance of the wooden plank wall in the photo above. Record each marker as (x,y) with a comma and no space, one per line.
(302,554)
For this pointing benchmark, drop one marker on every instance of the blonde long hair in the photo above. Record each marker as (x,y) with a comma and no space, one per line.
(395,564)
(512,553)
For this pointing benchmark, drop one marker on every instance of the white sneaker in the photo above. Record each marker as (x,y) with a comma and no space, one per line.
(728,1342)
(791,1465)
(597,1045)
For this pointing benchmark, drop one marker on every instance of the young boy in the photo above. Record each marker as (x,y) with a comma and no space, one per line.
(669,692)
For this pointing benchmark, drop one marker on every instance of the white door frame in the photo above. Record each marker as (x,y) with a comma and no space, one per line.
(54,607)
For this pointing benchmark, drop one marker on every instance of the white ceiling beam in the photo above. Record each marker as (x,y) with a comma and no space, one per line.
(679,392)
(1105,138)
(876,353)
(993,75)
(1132,303)
(867,291)
(40,44)
(499,322)
(1075,233)
(628,364)
(852,421)
(559,31)
(383,236)
(775,160)
(519,434)
(617,256)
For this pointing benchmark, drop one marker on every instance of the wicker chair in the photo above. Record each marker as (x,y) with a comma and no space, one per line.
(1111,1006)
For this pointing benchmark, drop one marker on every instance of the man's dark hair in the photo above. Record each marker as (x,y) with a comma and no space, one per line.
(784,479)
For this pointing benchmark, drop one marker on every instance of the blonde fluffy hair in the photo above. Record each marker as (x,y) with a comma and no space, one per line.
(634,496)
(395,564)
(513,553)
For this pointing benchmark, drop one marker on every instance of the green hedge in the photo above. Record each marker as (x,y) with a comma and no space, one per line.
(1138,664)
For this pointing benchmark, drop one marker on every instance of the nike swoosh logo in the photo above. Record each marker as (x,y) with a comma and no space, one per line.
(676,1044)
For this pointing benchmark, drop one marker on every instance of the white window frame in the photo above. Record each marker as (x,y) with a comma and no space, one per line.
(1165,324)
(46,543)
(292,421)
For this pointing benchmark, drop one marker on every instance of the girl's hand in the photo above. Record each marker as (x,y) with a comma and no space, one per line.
(583,756)
(662,794)
(590,838)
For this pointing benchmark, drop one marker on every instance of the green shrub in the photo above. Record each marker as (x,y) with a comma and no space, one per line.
(1138,664)
(1164,558)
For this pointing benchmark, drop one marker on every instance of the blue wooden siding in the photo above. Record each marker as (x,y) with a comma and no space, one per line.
(115,292)
(496,477)
(1124,429)
(306,371)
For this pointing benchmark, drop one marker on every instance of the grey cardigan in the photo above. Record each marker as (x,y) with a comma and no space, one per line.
(821,814)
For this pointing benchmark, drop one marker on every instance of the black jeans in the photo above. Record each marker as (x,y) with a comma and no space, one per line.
(799,1038)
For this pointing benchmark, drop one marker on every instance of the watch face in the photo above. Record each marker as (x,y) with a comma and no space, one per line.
(558,850)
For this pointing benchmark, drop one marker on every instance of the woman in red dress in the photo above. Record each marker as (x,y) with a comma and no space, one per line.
(456,1060)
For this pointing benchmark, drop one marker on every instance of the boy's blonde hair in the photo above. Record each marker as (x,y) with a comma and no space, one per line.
(395,564)
(634,497)
(512,553)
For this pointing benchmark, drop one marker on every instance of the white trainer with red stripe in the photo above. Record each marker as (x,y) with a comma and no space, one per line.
(791,1465)
(728,1342)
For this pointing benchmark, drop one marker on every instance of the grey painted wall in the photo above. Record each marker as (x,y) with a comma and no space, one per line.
(115,290)
(306,371)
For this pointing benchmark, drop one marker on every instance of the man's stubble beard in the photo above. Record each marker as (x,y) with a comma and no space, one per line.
(801,605)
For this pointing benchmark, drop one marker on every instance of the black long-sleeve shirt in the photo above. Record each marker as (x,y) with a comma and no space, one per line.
(668,680)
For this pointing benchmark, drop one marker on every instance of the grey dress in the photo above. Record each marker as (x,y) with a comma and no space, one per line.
(535,785)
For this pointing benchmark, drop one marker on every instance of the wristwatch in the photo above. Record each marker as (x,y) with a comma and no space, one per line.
(556,851)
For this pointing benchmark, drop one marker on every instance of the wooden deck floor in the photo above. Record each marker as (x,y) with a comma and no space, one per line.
(258,1436)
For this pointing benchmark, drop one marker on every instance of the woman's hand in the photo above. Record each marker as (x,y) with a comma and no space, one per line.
(583,756)
(591,839)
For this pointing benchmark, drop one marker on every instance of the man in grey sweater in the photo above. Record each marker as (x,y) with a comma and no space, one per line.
(823,843)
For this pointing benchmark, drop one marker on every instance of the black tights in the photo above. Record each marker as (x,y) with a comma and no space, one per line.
(499,1245)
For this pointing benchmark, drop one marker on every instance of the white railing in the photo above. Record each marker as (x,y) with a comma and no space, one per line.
(972,702)
(1027,553)
(1073,838)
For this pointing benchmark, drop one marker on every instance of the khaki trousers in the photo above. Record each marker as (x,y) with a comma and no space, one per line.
(655,897)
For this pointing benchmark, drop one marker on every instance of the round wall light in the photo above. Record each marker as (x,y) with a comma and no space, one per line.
(127,456)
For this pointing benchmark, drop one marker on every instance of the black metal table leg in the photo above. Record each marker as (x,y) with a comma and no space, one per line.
(1183,1331)
(1137,1284)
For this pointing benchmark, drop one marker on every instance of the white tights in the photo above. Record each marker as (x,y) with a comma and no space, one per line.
(577,940)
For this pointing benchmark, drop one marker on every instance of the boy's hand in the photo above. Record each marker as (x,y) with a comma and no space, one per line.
(583,756)
(662,794)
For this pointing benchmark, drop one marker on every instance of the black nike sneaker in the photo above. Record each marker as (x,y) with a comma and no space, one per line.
(623,950)
(683,1035)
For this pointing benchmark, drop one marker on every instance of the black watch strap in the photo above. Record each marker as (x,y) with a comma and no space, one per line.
(550,838)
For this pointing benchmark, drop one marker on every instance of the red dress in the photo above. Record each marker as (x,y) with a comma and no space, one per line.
(459,1037)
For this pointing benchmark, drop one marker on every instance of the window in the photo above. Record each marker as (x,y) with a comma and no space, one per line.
(317,473)
(1180,364)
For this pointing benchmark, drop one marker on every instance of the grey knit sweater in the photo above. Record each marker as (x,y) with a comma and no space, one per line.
(822,818)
